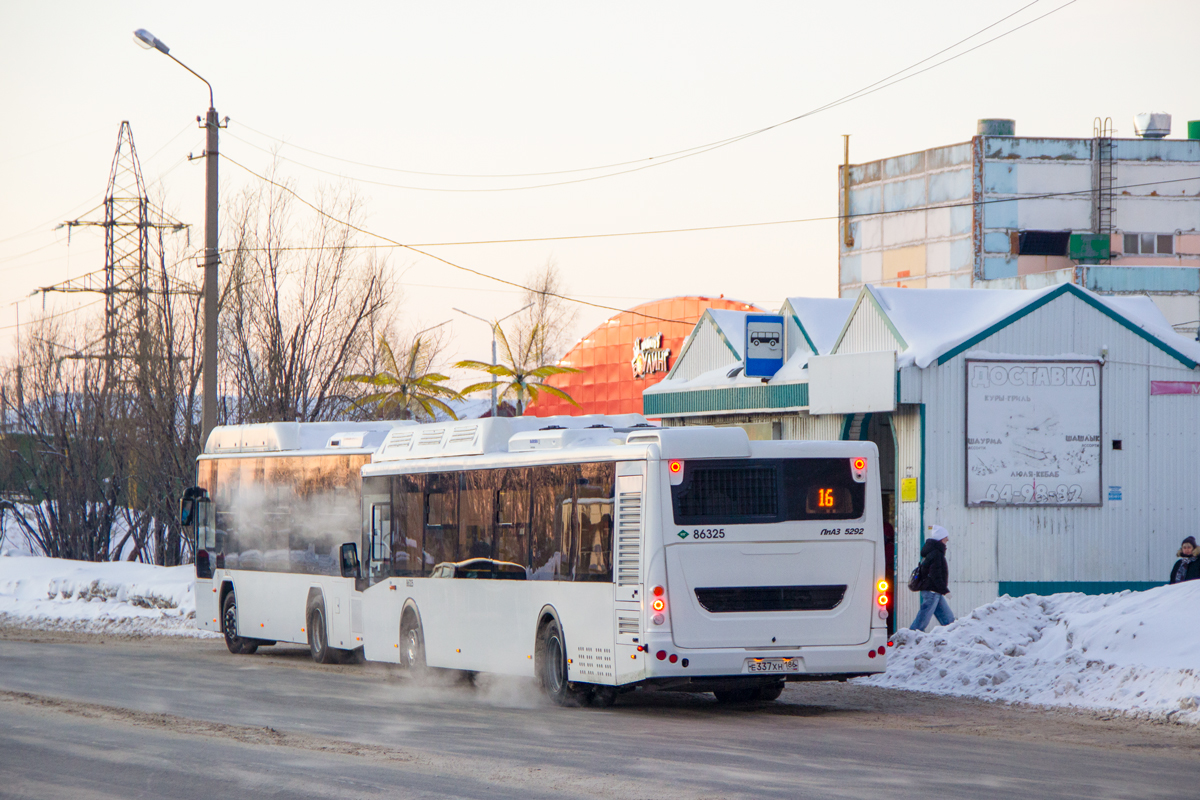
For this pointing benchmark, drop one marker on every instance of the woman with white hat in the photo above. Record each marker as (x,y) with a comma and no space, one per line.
(933,580)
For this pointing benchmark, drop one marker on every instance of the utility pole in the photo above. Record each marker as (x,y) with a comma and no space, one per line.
(212,159)
(211,152)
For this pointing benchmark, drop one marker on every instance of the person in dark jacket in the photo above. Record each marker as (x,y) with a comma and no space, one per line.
(934,580)
(1187,568)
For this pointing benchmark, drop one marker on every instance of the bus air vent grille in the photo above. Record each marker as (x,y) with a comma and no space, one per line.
(629,538)
(464,435)
(431,438)
(400,439)
(627,625)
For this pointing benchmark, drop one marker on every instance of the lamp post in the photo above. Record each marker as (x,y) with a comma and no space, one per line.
(211,154)
(493,326)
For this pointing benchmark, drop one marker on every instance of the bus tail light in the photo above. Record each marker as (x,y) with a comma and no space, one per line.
(858,468)
(675,471)
(659,604)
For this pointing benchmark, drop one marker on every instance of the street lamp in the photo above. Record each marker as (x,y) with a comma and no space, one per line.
(209,404)
(494,326)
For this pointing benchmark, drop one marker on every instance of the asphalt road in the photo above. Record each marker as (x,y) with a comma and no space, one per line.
(185,719)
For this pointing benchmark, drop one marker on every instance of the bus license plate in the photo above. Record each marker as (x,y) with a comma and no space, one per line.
(772,665)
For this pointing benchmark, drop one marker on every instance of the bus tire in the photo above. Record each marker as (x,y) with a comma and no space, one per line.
(769,693)
(551,663)
(318,638)
(412,644)
(237,645)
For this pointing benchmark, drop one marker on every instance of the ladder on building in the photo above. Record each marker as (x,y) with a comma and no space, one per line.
(1103,182)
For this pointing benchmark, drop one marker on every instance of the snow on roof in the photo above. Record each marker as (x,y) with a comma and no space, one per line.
(932,321)
(733,325)
(822,318)
(935,321)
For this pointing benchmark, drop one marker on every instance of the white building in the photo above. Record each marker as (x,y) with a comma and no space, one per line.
(1054,432)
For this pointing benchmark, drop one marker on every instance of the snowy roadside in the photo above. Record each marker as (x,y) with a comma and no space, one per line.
(108,598)
(1136,653)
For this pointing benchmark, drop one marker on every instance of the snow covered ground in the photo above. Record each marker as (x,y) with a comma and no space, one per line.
(115,597)
(1134,652)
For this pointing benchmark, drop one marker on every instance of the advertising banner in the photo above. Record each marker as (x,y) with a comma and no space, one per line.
(1033,433)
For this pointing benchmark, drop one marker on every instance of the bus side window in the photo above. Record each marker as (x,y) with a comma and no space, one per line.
(512,517)
(441,518)
(594,510)
(553,503)
(408,522)
(477,513)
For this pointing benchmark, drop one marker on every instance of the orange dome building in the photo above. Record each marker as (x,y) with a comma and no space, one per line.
(625,354)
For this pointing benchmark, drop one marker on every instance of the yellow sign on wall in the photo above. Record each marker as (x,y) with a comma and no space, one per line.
(908,490)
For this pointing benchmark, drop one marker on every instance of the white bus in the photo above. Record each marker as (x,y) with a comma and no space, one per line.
(596,554)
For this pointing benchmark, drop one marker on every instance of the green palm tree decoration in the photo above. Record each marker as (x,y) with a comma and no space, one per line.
(518,376)
(405,388)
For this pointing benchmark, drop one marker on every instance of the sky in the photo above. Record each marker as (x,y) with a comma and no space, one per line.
(486,89)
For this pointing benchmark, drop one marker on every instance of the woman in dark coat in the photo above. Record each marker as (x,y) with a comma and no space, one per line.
(934,580)
(1187,568)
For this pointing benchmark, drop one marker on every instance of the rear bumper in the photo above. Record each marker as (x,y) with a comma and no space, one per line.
(815,663)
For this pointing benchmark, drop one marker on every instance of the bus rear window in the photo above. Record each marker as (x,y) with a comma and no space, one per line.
(748,491)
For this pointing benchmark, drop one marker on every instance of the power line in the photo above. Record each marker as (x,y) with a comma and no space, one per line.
(861,215)
(677,155)
(52,316)
(448,263)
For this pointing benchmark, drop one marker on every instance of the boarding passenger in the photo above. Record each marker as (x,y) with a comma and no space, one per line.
(934,580)
(1187,568)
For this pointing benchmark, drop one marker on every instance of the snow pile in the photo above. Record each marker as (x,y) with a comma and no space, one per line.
(114,597)
(1133,652)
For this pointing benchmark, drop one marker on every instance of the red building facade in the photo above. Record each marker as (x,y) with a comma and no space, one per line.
(625,354)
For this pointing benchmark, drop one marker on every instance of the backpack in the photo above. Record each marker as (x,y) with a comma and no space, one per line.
(914,580)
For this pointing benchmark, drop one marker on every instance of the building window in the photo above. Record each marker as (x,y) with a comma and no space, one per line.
(1043,243)
(1149,244)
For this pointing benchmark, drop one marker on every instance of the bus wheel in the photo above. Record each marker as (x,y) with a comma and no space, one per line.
(318,638)
(770,692)
(237,645)
(412,644)
(736,696)
(551,664)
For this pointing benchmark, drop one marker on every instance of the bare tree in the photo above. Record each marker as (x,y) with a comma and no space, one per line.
(108,420)
(544,331)
(302,308)
(71,468)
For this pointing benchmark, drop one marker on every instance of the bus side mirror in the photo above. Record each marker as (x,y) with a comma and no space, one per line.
(349,560)
(187,505)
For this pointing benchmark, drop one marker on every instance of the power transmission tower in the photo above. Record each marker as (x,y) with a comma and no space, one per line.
(129,223)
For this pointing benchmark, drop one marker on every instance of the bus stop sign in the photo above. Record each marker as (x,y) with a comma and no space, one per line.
(764,345)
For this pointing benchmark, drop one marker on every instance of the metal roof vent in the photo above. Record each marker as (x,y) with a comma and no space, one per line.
(1152,124)
(997,127)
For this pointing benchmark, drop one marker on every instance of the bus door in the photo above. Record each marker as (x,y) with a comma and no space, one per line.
(379,549)
(197,517)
